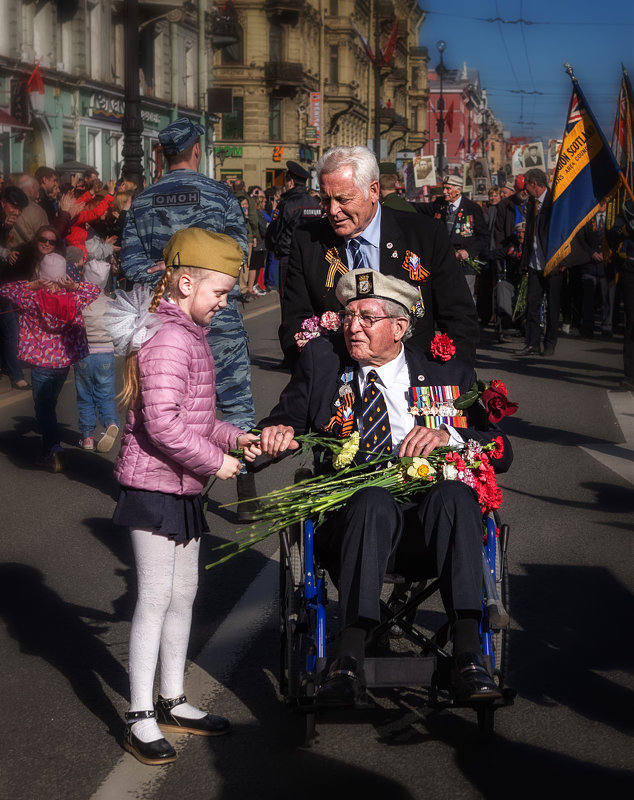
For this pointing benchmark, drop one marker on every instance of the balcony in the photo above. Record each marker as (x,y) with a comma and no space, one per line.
(284,10)
(419,52)
(286,77)
(222,29)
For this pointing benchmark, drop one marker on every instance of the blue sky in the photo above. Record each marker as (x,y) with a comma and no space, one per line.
(594,36)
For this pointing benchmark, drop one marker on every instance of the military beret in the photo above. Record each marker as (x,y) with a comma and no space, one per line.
(297,171)
(179,135)
(452,180)
(15,196)
(387,168)
(360,284)
(196,247)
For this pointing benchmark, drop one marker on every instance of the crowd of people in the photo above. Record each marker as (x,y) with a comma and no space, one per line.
(389,274)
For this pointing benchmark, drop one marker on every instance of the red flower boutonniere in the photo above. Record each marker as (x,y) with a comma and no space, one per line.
(442,347)
(494,396)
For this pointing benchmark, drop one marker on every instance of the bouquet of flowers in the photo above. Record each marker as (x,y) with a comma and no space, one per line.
(404,478)
(313,327)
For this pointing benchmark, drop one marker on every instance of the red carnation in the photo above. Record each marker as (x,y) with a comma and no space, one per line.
(498,451)
(442,347)
(496,404)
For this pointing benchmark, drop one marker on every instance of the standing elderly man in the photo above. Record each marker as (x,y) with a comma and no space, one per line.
(184,198)
(465,225)
(439,533)
(360,233)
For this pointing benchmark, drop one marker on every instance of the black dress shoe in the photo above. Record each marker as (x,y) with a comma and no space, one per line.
(528,351)
(470,679)
(549,350)
(343,683)
(209,725)
(160,751)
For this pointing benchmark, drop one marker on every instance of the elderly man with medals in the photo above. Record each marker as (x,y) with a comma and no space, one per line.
(371,380)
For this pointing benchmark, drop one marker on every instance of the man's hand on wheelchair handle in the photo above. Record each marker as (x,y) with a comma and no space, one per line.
(420,441)
(277,439)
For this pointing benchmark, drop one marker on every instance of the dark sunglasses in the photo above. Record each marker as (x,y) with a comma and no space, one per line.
(44,240)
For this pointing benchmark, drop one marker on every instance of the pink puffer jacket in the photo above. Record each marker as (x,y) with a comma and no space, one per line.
(173,442)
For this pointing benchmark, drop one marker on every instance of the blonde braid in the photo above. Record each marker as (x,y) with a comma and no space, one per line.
(160,289)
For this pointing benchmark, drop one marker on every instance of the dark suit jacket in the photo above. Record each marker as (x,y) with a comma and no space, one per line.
(448,303)
(542,226)
(308,401)
(469,216)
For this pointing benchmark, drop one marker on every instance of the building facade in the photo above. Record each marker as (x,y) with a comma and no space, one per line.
(303,79)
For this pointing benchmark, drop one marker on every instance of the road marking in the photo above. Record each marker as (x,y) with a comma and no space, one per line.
(218,658)
(618,457)
(253,314)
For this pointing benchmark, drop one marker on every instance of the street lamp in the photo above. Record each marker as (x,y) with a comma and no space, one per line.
(441,45)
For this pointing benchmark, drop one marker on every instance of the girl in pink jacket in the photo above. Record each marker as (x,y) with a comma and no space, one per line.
(171,444)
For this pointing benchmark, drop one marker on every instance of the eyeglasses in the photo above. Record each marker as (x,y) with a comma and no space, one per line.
(365,320)
(44,240)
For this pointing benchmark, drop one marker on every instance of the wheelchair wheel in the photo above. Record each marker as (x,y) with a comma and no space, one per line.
(291,610)
(500,638)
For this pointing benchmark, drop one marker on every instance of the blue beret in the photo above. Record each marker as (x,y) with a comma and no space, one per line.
(179,135)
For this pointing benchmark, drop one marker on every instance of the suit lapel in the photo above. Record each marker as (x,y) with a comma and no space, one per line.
(392,246)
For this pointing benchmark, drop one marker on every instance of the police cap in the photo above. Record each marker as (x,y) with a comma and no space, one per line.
(297,171)
(387,168)
(179,135)
(15,196)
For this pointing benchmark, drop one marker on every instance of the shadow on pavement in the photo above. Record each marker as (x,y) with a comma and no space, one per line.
(51,629)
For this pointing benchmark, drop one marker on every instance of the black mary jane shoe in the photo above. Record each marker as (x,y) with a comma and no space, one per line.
(209,725)
(471,681)
(343,684)
(160,751)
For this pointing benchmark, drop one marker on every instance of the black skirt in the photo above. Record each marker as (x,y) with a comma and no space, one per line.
(179,517)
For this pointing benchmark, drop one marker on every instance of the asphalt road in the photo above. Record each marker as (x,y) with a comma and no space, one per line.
(67,588)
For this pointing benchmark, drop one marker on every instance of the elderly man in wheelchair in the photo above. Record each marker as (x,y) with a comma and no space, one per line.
(364,380)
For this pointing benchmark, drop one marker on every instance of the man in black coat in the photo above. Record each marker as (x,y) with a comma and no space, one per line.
(296,207)
(534,260)
(359,232)
(439,533)
(465,225)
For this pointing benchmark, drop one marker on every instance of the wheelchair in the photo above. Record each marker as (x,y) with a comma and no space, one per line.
(304,630)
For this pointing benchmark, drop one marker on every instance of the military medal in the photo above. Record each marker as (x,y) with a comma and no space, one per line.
(435,404)
(412,264)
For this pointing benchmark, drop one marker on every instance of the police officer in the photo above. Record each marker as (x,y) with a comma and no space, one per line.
(295,207)
(184,198)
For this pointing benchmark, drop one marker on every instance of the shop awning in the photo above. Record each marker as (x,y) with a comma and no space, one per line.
(12,122)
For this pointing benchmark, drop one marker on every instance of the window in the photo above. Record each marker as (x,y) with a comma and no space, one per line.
(234,53)
(276,35)
(333,74)
(334,8)
(69,145)
(275,118)
(232,124)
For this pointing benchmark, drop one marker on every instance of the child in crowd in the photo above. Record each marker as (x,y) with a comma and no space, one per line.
(52,337)
(94,374)
(171,444)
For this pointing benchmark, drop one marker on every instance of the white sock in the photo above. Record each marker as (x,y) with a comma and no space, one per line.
(147,730)
(188,711)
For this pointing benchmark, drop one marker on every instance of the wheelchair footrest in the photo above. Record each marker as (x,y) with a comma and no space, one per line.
(394,672)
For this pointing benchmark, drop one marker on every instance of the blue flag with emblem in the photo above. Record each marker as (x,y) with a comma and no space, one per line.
(586,175)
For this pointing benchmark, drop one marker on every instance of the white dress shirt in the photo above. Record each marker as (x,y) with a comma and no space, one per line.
(370,240)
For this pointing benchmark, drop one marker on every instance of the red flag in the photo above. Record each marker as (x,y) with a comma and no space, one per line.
(449,118)
(35,82)
(390,47)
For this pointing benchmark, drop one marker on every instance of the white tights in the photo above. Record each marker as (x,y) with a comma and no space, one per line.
(167,574)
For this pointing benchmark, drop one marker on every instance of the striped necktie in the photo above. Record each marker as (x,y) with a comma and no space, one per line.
(377,435)
(358,262)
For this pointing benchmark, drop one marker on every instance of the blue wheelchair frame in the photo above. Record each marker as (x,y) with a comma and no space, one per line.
(306,631)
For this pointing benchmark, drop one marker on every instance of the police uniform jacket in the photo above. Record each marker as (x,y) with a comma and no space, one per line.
(310,399)
(296,207)
(180,199)
(413,248)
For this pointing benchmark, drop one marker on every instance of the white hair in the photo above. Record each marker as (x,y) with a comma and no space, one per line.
(365,168)
(393,309)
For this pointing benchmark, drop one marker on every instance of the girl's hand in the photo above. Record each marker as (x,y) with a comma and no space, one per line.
(230,468)
(250,444)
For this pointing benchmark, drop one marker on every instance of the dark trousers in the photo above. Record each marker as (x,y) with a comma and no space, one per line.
(626,279)
(9,334)
(538,286)
(440,536)
(47,383)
